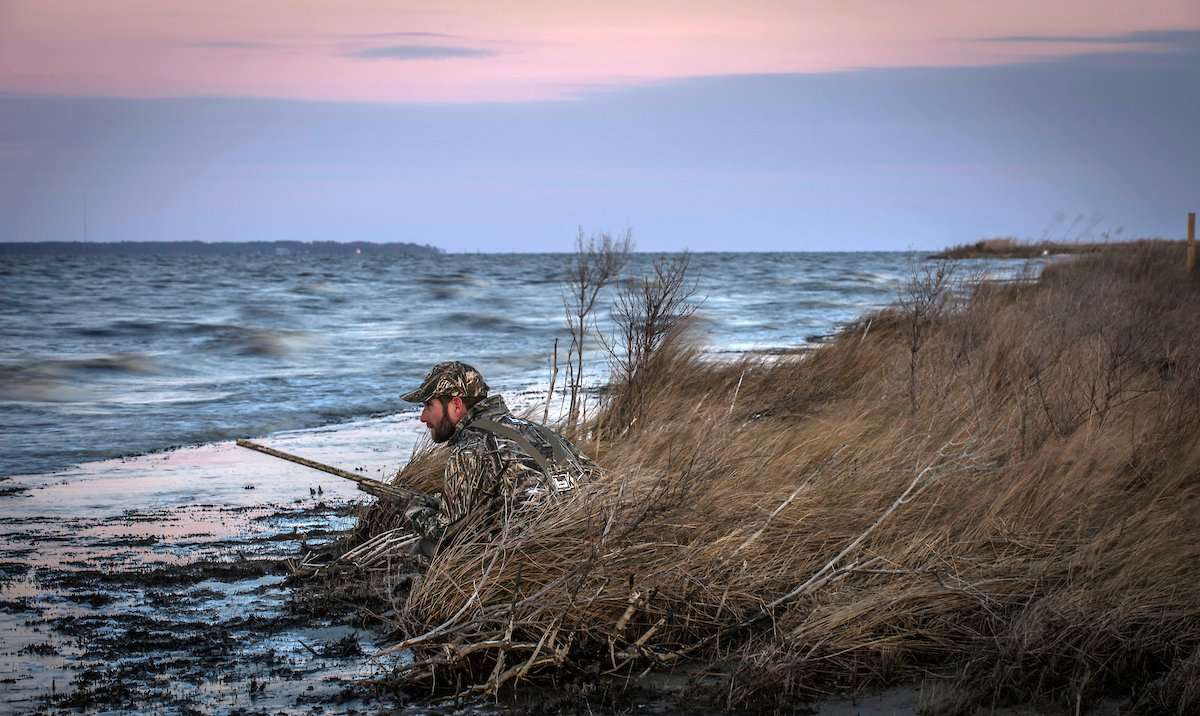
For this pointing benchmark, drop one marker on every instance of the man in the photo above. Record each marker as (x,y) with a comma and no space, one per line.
(498,463)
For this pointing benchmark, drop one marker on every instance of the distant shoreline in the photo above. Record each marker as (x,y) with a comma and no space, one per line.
(216,248)
(1009,248)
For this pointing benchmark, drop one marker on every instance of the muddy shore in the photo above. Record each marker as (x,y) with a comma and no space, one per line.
(159,582)
(216,631)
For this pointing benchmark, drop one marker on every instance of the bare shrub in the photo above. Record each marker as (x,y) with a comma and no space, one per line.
(923,299)
(598,260)
(647,313)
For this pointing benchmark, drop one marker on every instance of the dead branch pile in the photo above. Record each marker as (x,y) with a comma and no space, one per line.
(1011,502)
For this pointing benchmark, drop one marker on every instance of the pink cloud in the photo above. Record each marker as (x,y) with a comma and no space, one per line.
(457,51)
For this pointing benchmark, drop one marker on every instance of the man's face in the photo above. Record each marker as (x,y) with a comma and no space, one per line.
(436,416)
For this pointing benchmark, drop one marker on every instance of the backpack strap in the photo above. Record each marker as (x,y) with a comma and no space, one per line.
(522,442)
(562,455)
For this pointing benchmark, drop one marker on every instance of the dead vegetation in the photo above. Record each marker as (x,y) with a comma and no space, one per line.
(597,261)
(1010,506)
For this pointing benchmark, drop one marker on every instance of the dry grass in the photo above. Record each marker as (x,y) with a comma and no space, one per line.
(1026,524)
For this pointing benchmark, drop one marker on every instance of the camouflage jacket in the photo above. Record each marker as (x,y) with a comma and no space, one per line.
(492,470)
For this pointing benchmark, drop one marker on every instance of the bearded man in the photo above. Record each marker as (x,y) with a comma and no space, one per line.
(498,462)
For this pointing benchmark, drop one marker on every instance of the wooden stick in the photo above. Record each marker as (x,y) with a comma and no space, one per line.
(1191,246)
(553,376)
(370,485)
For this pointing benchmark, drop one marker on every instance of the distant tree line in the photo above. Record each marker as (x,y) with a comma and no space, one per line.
(215,248)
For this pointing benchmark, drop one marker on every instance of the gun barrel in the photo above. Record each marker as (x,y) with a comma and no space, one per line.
(376,487)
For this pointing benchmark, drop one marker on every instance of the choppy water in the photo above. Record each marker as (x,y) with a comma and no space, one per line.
(103,357)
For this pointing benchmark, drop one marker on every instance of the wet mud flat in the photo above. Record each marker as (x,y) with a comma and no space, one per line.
(158,582)
(190,624)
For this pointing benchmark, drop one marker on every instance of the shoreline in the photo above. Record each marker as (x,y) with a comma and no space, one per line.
(1011,248)
(228,633)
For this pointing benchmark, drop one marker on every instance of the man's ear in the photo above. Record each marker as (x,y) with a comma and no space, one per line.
(457,408)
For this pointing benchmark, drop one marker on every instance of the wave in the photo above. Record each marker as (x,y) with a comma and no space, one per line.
(40,390)
(865,276)
(230,337)
(248,341)
(300,421)
(462,278)
(314,288)
(166,398)
(482,322)
(53,380)
(123,328)
(132,363)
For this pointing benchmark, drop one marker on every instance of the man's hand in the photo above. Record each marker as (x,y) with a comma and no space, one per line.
(416,509)
(425,516)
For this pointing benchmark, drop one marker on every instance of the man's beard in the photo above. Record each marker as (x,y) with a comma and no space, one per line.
(442,430)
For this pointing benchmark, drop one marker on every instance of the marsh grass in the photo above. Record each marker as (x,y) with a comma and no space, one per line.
(1015,511)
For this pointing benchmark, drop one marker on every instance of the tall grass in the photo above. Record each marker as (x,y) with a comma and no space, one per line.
(1012,508)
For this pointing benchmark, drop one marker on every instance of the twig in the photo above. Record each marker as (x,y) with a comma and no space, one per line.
(621,623)
(553,377)
(813,580)
(499,668)
(806,482)
(549,634)
(309,648)
(735,391)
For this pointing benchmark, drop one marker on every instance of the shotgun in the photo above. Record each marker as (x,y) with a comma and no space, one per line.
(378,488)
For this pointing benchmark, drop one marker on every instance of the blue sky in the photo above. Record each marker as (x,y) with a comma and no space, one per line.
(1101,138)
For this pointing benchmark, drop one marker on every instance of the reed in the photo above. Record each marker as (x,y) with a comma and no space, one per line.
(1013,509)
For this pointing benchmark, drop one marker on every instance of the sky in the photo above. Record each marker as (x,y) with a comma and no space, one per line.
(508,126)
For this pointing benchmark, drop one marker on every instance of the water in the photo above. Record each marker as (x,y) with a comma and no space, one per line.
(108,356)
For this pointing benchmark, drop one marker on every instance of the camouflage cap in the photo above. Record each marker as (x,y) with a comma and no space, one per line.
(447,380)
